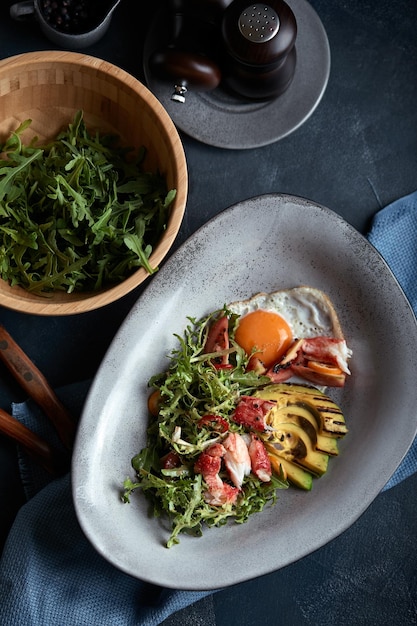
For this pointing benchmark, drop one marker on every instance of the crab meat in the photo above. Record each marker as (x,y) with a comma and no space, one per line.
(208,464)
(250,413)
(236,458)
(241,455)
(260,463)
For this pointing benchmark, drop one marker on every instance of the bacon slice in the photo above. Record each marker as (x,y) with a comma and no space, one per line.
(328,350)
(320,360)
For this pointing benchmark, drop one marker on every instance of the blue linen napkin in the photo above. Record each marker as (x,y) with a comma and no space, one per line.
(49,572)
(394,234)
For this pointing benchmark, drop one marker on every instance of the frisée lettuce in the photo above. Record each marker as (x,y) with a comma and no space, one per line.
(195,399)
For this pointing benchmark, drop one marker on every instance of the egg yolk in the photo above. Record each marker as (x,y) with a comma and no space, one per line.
(266,331)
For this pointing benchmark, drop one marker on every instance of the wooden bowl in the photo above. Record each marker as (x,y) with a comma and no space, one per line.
(48,88)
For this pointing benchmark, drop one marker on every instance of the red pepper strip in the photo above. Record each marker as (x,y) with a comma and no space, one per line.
(217,423)
(218,340)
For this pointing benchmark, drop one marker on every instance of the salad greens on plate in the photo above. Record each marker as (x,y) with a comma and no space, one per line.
(192,404)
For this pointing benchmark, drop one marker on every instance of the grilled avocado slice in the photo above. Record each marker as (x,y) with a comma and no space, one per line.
(305,428)
(292,443)
(295,474)
(303,416)
(328,415)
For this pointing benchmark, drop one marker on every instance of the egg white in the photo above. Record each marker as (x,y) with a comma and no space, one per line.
(307,311)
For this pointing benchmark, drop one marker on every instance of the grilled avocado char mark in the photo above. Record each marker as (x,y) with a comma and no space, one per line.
(328,414)
(303,429)
(303,416)
(293,443)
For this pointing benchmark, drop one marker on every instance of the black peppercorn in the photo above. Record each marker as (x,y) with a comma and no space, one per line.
(70,16)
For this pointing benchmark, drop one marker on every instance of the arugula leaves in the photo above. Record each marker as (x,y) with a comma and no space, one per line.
(191,388)
(77,214)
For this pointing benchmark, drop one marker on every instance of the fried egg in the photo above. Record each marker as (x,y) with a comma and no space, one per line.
(270,322)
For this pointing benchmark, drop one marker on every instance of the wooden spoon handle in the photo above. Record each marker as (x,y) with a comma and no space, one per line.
(34,445)
(36,385)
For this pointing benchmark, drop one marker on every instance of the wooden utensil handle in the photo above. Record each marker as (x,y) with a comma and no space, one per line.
(34,445)
(36,385)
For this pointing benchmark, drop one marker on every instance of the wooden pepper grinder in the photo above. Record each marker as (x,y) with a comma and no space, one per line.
(249,48)
(193,55)
(259,48)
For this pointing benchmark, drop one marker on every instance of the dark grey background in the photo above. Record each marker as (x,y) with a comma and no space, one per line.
(357,153)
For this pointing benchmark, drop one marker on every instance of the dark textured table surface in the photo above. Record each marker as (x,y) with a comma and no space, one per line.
(355,154)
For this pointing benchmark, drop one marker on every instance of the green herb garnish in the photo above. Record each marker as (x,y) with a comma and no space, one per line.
(77,214)
(190,389)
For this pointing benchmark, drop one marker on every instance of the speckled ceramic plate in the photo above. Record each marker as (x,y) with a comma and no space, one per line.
(263,244)
(219,119)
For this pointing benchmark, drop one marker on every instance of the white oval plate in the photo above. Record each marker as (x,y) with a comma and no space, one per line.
(263,244)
